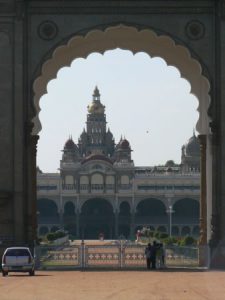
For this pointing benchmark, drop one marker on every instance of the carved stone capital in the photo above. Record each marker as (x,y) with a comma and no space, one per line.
(31,140)
(34,140)
(215,133)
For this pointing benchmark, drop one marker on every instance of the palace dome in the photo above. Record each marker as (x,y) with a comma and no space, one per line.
(124,144)
(192,147)
(70,145)
(96,107)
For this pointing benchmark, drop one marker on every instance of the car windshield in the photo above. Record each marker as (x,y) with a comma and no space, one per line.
(17,252)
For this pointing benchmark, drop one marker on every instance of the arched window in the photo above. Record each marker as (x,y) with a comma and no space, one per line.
(46,208)
(151,207)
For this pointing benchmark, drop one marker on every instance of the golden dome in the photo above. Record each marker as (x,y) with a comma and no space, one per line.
(96,106)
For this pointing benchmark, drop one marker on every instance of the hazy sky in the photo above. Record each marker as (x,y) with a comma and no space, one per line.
(146,101)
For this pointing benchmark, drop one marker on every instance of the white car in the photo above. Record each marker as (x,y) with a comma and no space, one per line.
(17,259)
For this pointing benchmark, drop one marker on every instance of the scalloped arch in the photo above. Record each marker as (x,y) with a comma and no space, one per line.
(85,201)
(127,38)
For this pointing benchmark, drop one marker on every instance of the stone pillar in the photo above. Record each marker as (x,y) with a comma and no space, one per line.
(61,218)
(61,205)
(111,232)
(116,223)
(217,258)
(31,209)
(77,184)
(203,253)
(78,224)
(89,184)
(217,111)
(132,224)
(104,184)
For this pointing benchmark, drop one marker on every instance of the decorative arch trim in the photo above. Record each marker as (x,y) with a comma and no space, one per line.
(127,38)
(148,199)
(56,202)
(186,199)
(94,198)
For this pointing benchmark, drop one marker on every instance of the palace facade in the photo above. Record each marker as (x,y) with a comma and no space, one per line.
(100,190)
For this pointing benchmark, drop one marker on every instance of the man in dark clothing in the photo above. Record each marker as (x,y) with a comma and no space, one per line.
(153,255)
(148,255)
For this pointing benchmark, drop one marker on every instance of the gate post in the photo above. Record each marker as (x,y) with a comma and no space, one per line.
(82,254)
(121,254)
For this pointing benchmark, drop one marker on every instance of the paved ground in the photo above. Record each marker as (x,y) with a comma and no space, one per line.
(114,285)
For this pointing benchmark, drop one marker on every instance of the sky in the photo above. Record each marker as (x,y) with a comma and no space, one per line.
(146,101)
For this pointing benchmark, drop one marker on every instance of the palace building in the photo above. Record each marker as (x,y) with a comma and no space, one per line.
(100,190)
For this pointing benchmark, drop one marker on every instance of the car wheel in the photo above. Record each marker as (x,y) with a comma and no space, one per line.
(32,273)
(4,273)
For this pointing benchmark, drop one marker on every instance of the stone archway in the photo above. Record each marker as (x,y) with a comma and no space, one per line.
(151,212)
(34,28)
(146,40)
(96,217)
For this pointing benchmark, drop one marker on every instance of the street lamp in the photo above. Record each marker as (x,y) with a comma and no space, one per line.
(170,211)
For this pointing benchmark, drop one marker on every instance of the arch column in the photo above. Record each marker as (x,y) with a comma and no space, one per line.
(203,256)
(169,211)
(132,223)
(104,183)
(77,223)
(89,184)
(61,213)
(61,204)
(77,206)
(31,215)
(116,214)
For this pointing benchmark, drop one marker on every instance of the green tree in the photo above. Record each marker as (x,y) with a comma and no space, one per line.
(170,240)
(187,241)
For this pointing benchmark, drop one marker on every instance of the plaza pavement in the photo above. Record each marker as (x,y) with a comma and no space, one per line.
(176,284)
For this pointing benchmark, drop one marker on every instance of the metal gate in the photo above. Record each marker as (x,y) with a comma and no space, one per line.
(58,257)
(115,256)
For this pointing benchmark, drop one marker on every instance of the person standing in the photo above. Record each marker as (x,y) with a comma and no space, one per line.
(163,253)
(148,255)
(160,253)
(153,255)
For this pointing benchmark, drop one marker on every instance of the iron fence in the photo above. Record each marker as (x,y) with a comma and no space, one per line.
(118,255)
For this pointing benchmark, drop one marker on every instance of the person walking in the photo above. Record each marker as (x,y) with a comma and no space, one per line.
(148,255)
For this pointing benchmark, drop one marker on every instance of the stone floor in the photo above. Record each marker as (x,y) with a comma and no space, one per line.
(118,285)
